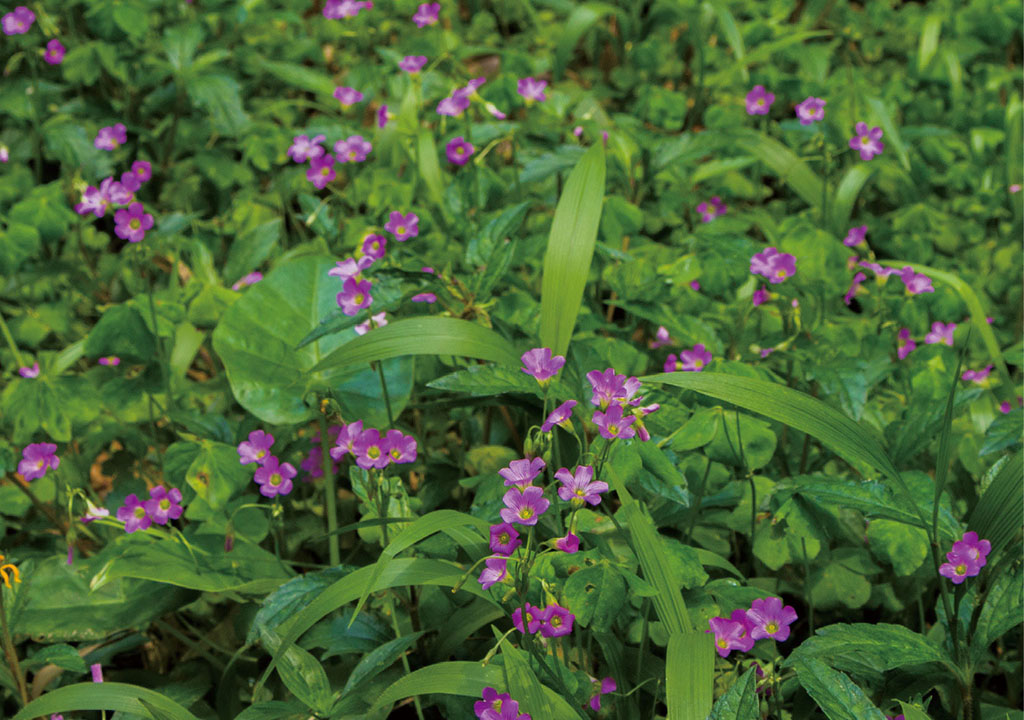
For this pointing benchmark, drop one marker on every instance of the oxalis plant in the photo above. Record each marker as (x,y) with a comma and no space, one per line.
(533,359)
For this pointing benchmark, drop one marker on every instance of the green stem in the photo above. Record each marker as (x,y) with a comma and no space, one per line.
(384,392)
(11,652)
(36,129)
(824,181)
(330,496)
(405,660)
(10,341)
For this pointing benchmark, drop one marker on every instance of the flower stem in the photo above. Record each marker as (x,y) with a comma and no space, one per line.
(11,653)
(384,392)
(330,497)
(10,341)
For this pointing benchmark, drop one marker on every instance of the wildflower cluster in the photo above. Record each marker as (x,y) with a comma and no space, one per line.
(353,149)
(498,706)
(36,460)
(766,618)
(355,289)
(162,506)
(19,21)
(693,360)
(966,559)
(273,476)
(620,413)
(131,221)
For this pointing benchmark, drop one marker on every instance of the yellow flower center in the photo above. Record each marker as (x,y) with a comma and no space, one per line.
(358,299)
(613,429)
(698,364)
(771,628)
(460,150)
(140,512)
(555,621)
(373,452)
(504,538)
(497,706)
(780,273)
(526,513)
(723,643)
(760,101)
(961,569)
(325,171)
(400,230)
(165,504)
(276,479)
(352,155)
(579,492)
(134,224)
(39,465)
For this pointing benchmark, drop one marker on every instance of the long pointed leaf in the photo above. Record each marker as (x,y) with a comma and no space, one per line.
(103,696)
(423,336)
(782,161)
(690,675)
(846,194)
(570,250)
(997,516)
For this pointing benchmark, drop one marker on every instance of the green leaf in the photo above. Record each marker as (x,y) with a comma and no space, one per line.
(221,97)
(121,331)
(1000,613)
(914,712)
(868,649)
(583,17)
(298,76)
(782,161)
(257,337)
(596,596)
(251,248)
(274,710)
(467,679)
(929,43)
(62,655)
(104,696)
(486,380)
(727,24)
(430,170)
(740,702)
(535,699)
(889,129)
(18,242)
(570,250)
(837,695)
(902,546)
(378,659)
(846,194)
(690,675)
(45,209)
(997,515)
(304,677)
(422,336)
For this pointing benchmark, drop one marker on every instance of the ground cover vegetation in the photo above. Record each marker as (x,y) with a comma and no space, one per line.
(508,360)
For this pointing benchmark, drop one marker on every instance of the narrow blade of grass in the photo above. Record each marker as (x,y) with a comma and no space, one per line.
(570,250)
(430,170)
(104,696)
(846,194)
(782,161)
(997,516)
(690,675)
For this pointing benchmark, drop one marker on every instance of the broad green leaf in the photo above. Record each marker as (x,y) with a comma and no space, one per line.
(690,675)
(486,380)
(121,331)
(902,546)
(535,699)
(467,679)
(583,17)
(18,242)
(430,170)
(379,659)
(997,516)
(221,97)
(104,696)
(399,572)
(596,596)
(570,250)
(846,194)
(782,161)
(764,51)
(275,710)
(929,42)
(1001,612)
(913,712)
(272,378)
(298,76)
(740,702)
(836,694)
(868,649)
(62,655)
(423,336)
(251,248)
(431,523)
(304,677)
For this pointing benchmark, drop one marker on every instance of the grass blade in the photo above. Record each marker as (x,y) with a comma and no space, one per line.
(929,43)
(104,696)
(727,24)
(846,194)
(582,18)
(430,170)
(570,250)
(423,336)
(997,515)
(880,114)
(467,679)
(740,702)
(942,461)
(690,675)
(782,161)
(534,698)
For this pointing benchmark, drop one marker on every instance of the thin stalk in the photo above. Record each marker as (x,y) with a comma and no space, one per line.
(36,127)
(11,653)
(641,651)
(405,660)
(330,497)
(695,511)
(10,341)
(38,504)
(824,181)
(384,392)
(807,576)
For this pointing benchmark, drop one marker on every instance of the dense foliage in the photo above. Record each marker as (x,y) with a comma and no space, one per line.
(530,358)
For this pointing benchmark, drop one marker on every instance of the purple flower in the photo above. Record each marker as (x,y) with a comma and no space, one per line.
(557,621)
(608,684)
(112,137)
(115,192)
(401,447)
(525,506)
(559,416)
(541,364)
(760,296)
(426,14)
(769,619)
(383,116)
(694,360)
(5,153)
(36,459)
(879,270)
(354,149)
(606,386)
(246,280)
(97,672)
(661,337)
(426,297)
(759,101)
(868,142)
(402,226)
(495,570)
(256,449)
(857,280)
(412,63)
(350,268)
(304,149)
(370,450)
(19,21)
(275,477)
(373,246)
(520,473)
(905,345)
(534,619)
(977,376)
(613,425)
(568,544)
(581,487)
(93,513)
(811,110)
(453,105)
(532,90)
(709,211)
(732,633)
(941,333)
(54,54)
(134,516)
(163,506)
(773,265)
(338,9)
(132,224)
(493,702)
(967,557)
(321,171)
(855,236)
(130,182)
(29,372)
(354,296)
(458,151)
(347,436)
(916,283)
(347,96)
(374,321)
(504,539)
(1005,407)
(142,170)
